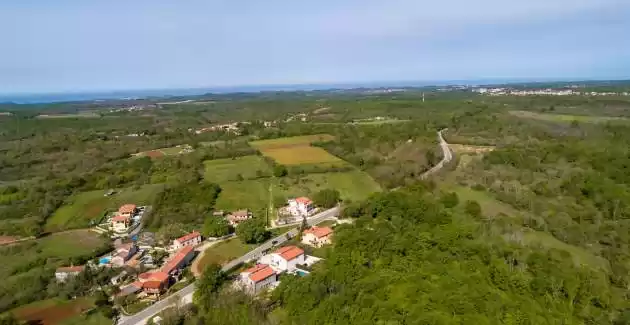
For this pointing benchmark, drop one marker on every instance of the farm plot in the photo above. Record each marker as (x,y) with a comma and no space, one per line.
(303,140)
(255,194)
(297,150)
(236,169)
(300,155)
(88,208)
(52,311)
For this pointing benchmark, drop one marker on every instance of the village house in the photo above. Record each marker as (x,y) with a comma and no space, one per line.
(317,236)
(63,273)
(154,283)
(301,207)
(121,223)
(236,217)
(180,260)
(192,239)
(124,253)
(286,258)
(127,210)
(257,278)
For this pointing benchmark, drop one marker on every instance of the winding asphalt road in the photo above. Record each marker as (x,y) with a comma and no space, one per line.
(185,295)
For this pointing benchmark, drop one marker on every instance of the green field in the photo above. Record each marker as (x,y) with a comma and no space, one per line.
(224,170)
(58,246)
(291,141)
(224,252)
(567,118)
(254,194)
(81,209)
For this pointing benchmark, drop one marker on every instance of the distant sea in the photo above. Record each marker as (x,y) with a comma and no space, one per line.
(34,98)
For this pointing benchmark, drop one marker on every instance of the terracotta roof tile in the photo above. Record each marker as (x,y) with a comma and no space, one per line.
(177,259)
(319,232)
(262,273)
(68,269)
(127,208)
(188,237)
(289,252)
(303,200)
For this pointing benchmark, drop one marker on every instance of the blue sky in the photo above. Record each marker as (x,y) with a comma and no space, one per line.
(84,45)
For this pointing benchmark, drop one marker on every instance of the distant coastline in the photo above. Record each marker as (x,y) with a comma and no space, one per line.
(45,98)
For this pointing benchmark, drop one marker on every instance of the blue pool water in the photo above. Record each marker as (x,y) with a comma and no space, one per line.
(104,260)
(301,273)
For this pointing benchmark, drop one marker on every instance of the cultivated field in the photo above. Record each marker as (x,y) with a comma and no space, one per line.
(52,311)
(254,194)
(568,118)
(296,150)
(88,208)
(299,155)
(225,170)
(302,140)
(222,253)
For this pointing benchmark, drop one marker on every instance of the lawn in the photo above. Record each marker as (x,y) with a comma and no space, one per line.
(254,194)
(224,170)
(93,318)
(224,252)
(52,311)
(88,208)
(299,155)
(567,118)
(303,140)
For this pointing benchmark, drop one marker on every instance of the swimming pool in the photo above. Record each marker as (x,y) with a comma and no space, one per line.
(301,273)
(104,260)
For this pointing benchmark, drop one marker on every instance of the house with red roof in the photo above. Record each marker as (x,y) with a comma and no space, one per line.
(191,239)
(127,210)
(317,236)
(301,207)
(286,258)
(121,223)
(258,278)
(154,283)
(123,254)
(179,260)
(236,217)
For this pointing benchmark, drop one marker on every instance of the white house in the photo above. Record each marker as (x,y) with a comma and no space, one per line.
(192,239)
(301,207)
(286,258)
(63,273)
(258,278)
(121,223)
(317,236)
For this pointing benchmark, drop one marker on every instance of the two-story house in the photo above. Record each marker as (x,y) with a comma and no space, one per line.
(286,258)
(258,278)
(192,239)
(317,236)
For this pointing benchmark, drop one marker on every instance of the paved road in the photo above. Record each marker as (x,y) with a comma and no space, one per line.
(186,293)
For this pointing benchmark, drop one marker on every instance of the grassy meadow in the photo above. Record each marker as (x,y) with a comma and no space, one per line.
(225,170)
(82,209)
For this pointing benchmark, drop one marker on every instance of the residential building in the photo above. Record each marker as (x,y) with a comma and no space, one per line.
(180,260)
(154,288)
(127,210)
(236,217)
(258,278)
(317,236)
(123,253)
(301,206)
(286,258)
(192,239)
(63,273)
(121,223)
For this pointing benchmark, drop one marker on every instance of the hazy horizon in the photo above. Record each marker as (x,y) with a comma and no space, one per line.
(82,46)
